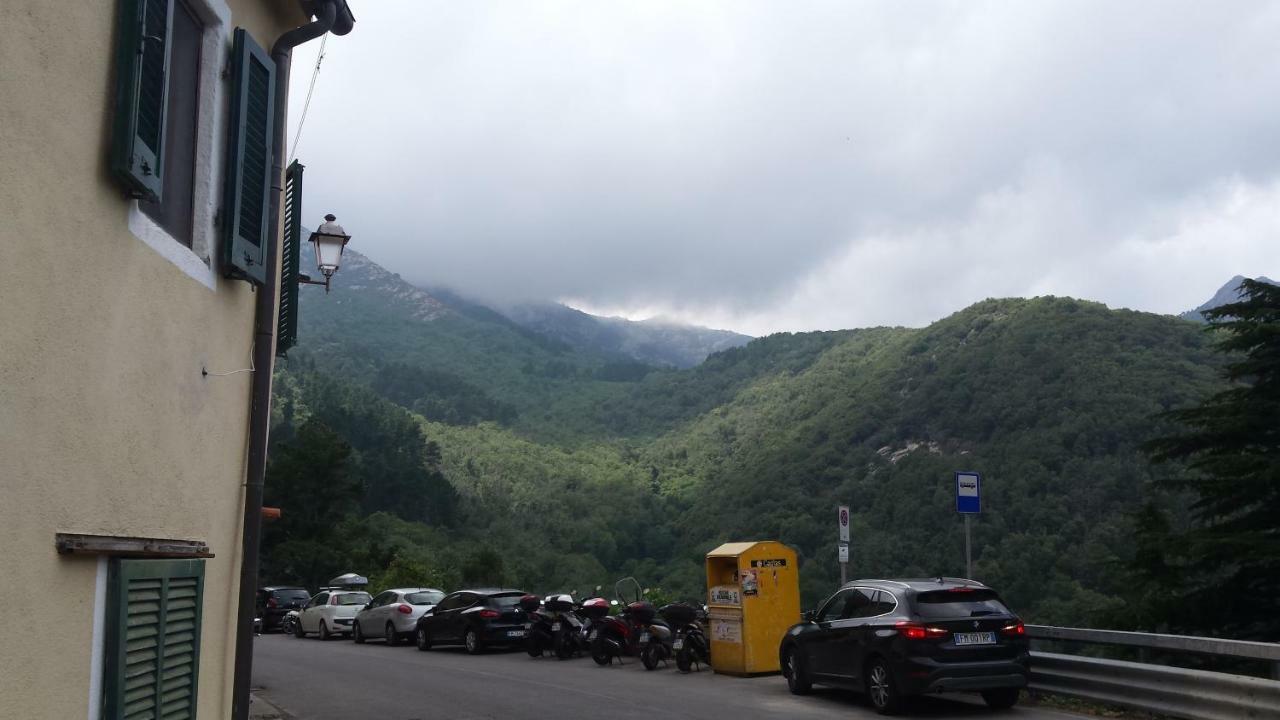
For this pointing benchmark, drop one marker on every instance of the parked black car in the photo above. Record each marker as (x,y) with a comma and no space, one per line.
(894,638)
(475,619)
(275,601)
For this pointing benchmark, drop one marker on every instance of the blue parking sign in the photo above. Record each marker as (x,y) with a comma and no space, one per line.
(968,493)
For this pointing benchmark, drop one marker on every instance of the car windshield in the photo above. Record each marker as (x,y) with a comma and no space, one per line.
(352,598)
(425,597)
(959,604)
(507,599)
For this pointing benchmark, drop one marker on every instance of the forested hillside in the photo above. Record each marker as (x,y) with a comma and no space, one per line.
(477,450)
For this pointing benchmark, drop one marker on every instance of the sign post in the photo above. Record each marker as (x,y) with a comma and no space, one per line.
(968,503)
(843,521)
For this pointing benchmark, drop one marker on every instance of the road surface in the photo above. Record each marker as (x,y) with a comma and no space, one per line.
(339,680)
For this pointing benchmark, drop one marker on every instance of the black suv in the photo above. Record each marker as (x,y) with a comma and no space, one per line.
(275,601)
(893,638)
(476,619)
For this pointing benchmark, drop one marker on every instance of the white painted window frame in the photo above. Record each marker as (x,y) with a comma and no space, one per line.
(200,261)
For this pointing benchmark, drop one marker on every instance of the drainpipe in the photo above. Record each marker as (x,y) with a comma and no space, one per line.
(329,15)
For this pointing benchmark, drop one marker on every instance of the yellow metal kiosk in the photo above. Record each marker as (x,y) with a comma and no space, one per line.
(753,596)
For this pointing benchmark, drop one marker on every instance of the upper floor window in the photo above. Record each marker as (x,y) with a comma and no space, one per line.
(174,209)
(201,184)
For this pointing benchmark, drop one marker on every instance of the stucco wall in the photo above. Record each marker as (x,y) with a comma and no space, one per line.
(106,423)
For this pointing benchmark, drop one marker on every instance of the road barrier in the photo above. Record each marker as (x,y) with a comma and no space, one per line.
(1177,692)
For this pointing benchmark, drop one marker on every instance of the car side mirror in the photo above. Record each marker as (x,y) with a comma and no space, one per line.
(810,615)
(368,605)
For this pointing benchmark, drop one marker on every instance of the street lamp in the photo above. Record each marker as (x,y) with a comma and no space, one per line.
(329,240)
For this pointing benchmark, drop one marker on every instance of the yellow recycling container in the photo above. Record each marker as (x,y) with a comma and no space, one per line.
(753,596)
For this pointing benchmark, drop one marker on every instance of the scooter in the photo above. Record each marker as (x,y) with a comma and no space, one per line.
(690,642)
(619,635)
(553,626)
(655,644)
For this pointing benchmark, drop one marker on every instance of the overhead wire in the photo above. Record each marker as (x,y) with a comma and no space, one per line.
(315,72)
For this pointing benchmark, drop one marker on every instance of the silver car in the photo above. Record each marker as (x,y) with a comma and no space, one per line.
(393,614)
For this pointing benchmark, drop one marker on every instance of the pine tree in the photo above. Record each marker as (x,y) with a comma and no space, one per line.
(1231,449)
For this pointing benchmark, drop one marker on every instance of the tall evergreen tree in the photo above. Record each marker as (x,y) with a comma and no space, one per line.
(1231,448)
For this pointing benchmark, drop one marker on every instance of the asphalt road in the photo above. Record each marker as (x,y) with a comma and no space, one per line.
(339,680)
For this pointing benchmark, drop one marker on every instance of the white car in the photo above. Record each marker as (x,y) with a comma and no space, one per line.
(393,614)
(330,613)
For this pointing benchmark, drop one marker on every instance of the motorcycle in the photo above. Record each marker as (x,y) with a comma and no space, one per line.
(289,623)
(655,644)
(621,634)
(690,642)
(592,611)
(553,626)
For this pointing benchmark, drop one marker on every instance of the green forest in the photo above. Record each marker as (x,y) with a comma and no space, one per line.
(419,440)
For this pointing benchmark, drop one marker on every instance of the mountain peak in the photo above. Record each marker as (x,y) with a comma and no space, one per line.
(1227,294)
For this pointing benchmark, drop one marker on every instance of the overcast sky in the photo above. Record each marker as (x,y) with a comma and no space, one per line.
(767,166)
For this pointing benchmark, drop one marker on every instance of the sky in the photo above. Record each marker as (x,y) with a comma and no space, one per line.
(786,166)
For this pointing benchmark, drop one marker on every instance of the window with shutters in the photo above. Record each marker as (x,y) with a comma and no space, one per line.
(170,133)
(174,208)
(152,657)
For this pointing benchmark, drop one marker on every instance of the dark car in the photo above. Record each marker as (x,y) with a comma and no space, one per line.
(475,619)
(894,638)
(275,601)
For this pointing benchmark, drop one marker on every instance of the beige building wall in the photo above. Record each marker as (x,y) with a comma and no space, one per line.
(107,425)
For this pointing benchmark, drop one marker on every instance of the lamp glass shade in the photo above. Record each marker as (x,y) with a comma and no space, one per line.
(329,251)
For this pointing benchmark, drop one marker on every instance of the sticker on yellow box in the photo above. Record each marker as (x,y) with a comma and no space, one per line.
(750,584)
(725,595)
(729,631)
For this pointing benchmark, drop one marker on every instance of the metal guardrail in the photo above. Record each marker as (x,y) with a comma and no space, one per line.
(1173,691)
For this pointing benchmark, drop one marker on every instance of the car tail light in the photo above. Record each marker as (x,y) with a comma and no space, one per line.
(271,602)
(916,631)
(1015,629)
(404,609)
(486,613)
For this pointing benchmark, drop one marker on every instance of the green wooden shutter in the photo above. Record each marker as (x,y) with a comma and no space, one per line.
(142,92)
(290,250)
(245,218)
(153,639)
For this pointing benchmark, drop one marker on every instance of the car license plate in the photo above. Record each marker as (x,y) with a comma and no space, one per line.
(678,644)
(515,633)
(555,627)
(978,638)
(644,637)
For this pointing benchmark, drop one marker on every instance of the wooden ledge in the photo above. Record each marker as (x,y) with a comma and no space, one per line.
(121,546)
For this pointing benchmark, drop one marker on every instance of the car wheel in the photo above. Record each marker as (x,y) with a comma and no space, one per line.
(881,689)
(392,637)
(298,632)
(324,631)
(422,639)
(357,634)
(1000,698)
(472,641)
(793,668)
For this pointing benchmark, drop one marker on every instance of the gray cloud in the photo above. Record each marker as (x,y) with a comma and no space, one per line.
(766,166)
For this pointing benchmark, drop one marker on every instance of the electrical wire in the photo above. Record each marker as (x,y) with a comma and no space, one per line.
(205,371)
(293,152)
